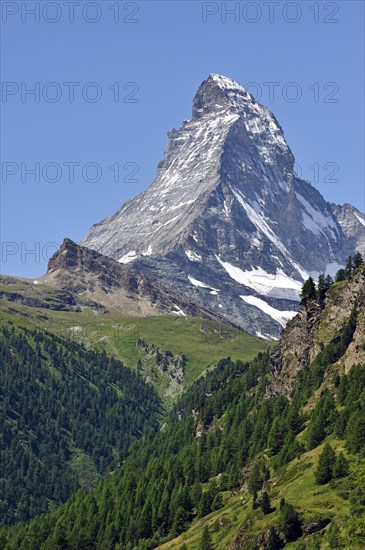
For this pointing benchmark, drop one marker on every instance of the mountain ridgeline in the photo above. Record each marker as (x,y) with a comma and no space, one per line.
(256,455)
(227,222)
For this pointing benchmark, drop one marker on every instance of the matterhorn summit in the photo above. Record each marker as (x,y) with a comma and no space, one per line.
(227,222)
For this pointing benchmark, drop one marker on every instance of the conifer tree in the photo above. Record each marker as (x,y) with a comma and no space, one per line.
(341,467)
(204,507)
(265,503)
(217,502)
(321,287)
(326,461)
(274,542)
(290,522)
(276,436)
(206,540)
(308,289)
(349,267)
(255,479)
(180,520)
(357,260)
(355,431)
(341,275)
(234,476)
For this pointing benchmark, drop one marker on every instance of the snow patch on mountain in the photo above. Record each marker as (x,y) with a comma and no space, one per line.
(129,257)
(193,256)
(315,220)
(179,311)
(281,317)
(264,283)
(361,220)
(199,284)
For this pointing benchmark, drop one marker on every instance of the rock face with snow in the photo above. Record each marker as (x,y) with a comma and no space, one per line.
(352,222)
(226,221)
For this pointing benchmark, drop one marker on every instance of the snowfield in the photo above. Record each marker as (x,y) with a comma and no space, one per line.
(281,317)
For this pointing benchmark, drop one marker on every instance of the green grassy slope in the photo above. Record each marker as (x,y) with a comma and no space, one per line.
(202,342)
(319,506)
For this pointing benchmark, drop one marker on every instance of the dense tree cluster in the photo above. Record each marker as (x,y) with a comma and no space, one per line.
(313,291)
(352,263)
(56,399)
(330,466)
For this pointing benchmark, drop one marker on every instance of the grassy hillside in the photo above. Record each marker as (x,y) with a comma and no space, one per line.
(202,342)
(319,507)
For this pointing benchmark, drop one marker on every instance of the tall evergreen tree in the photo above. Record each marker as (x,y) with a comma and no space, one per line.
(326,462)
(341,467)
(308,289)
(341,275)
(274,542)
(321,288)
(355,431)
(276,436)
(265,503)
(291,524)
(205,502)
(358,260)
(349,267)
(255,479)
(206,540)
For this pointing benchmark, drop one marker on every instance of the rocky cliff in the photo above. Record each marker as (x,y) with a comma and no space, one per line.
(317,327)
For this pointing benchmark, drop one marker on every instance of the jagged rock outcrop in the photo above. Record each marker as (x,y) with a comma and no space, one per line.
(227,222)
(120,287)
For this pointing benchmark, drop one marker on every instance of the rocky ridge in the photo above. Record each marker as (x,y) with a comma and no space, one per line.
(93,276)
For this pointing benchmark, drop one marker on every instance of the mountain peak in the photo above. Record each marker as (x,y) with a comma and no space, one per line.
(219,92)
(226,221)
(225,82)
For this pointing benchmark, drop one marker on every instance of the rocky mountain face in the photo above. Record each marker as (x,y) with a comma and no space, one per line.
(89,275)
(352,222)
(227,222)
(317,326)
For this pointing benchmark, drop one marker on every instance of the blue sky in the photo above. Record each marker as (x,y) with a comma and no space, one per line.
(134,69)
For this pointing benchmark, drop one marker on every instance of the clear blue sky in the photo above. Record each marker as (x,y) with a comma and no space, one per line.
(167,52)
